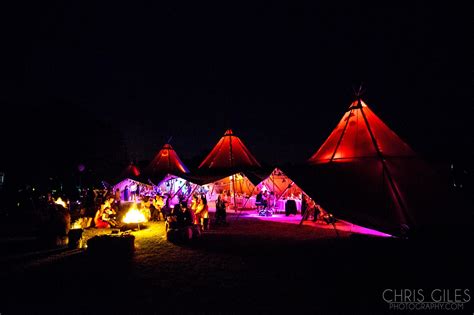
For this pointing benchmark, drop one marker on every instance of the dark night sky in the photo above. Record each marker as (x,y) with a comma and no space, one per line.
(280,74)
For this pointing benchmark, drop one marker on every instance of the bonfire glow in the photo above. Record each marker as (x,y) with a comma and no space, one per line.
(134,216)
(60,202)
(76,225)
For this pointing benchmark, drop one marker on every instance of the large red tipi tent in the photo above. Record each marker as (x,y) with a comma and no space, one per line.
(360,135)
(229,153)
(166,161)
(366,174)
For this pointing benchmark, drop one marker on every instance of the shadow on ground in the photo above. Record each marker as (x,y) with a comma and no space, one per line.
(250,266)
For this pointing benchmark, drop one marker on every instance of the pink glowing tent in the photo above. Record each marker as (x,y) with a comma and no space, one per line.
(131,177)
(166,161)
(229,153)
(131,171)
(366,174)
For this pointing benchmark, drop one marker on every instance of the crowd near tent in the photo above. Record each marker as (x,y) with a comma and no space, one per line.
(132,186)
(166,161)
(130,178)
(365,173)
(236,186)
(176,188)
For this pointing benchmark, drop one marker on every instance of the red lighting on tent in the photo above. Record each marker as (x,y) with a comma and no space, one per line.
(229,152)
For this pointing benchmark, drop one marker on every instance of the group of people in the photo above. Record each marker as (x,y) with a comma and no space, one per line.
(54,217)
(197,213)
(134,192)
(265,202)
(106,215)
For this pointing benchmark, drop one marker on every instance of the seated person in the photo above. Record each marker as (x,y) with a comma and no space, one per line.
(99,222)
(110,216)
(260,201)
(271,200)
(156,207)
(105,217)
(144,207)
(167,209)
(181,216)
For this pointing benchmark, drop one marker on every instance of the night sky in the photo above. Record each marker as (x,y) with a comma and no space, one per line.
(280,74)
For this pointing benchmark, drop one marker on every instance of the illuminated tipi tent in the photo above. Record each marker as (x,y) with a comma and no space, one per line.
(229,153)
(166,161)
(227,163)
(366,174)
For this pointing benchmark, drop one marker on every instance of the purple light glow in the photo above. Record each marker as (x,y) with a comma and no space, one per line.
(341,225)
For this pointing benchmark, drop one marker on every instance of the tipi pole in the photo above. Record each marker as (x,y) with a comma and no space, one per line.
(381,157)
(232,166)
(233,191)
(177,190)
(250,196)
(192,192)
(286,189)
(245,203)
(342,135)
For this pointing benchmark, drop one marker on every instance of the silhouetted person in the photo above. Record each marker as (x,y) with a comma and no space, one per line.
(183,215)
(304,205)
(126,193)
(221,213)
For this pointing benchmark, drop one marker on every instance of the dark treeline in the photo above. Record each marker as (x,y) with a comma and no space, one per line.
(60,148)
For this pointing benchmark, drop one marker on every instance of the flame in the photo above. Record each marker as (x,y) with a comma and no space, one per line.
(60,202)
(134,216)
(76,225)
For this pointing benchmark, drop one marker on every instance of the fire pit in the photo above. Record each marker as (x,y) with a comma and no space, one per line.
(133,219)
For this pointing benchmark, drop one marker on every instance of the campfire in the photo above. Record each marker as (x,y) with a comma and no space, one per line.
(134,215)
(60,202)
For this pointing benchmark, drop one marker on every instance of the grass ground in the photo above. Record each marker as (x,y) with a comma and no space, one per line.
(249,266)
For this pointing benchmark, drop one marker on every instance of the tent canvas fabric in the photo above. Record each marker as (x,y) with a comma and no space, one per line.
(361,134)
(131,171)
(237,183)
(213,183)
(166,161)
(366,174)
(176,187)
(229,153)
(130,182)
(281,185)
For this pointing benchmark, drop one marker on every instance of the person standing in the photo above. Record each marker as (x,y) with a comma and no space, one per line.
(304,205)
(205,212)
(126,193)
(117,199)
(221,210)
